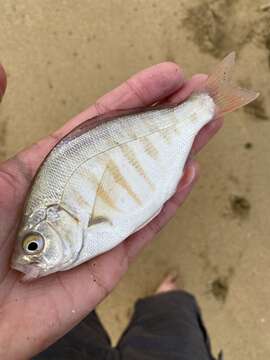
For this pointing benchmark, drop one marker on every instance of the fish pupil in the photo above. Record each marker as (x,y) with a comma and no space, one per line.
(32,246)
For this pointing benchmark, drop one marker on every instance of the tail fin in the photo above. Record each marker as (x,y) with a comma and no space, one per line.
(227,96)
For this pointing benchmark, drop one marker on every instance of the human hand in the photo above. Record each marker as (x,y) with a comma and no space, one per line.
(34,315)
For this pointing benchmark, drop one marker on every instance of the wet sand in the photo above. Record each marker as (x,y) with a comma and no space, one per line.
(60,56)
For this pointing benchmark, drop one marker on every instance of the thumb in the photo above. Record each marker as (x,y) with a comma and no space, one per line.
(3,81)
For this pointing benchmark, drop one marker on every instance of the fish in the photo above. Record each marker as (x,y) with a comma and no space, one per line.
(111,175)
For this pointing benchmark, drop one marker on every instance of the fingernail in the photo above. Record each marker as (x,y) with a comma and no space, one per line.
(189,175)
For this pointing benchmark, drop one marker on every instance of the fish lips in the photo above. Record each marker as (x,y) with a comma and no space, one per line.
(30,271)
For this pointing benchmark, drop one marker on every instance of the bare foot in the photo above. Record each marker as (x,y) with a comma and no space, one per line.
(169,283)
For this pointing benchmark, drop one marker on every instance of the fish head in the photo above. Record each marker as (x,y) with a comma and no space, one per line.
(47,246)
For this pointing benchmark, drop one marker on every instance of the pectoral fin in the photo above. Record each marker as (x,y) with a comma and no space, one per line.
(104,202)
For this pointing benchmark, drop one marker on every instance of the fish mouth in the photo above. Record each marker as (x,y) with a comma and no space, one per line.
(30,271)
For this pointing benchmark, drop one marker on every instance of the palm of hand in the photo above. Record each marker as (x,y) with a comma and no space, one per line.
(34,315)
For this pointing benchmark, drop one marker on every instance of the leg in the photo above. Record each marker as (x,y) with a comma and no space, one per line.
(167,326)
(87,340)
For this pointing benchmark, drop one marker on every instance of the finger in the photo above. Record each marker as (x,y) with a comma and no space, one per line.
(142,89)
(205,135)
(138,241)
(189,87)
(3,81)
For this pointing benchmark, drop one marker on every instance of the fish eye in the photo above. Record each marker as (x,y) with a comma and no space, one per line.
(33,243)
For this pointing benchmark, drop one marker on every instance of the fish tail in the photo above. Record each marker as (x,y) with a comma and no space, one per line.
(227,96)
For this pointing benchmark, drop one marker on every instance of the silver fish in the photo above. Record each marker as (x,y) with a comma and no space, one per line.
(112,175)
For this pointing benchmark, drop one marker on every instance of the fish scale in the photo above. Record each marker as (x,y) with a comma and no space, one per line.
(89,144)
(111,176)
